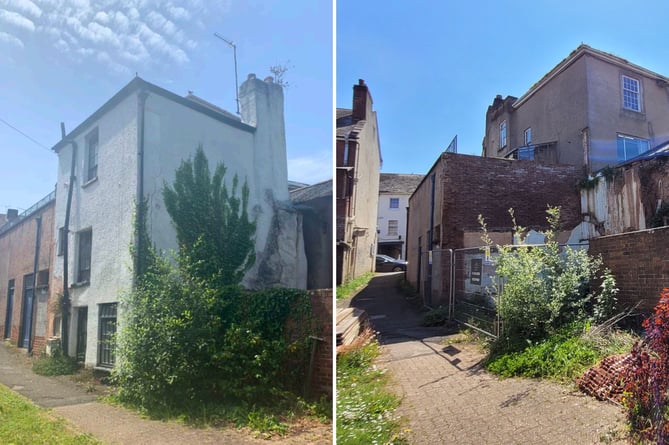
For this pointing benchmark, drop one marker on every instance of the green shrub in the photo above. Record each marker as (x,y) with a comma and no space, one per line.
(55,364)
(563,356)
(435,317)
(545,287)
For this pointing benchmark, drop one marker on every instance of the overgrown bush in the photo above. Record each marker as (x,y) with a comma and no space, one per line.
(190,336)
(546,287)
(184,342)
(646,395)
(55,364)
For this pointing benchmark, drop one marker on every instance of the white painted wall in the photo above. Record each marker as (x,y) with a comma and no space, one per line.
(172,133)
(107,206)
(385,213)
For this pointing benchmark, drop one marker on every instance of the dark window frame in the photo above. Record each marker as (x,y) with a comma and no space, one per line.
(92,152)
(84,255)
(107,318)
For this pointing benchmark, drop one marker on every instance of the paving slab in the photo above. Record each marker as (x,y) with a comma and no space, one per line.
(448,398)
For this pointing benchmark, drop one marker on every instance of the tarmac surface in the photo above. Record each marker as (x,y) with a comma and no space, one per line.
(116,425)
(447,398)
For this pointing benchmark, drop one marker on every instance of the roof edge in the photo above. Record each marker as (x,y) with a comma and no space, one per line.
(137,84)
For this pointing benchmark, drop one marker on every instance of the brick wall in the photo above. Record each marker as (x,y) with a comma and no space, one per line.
(474,185)
(640,263)
(321,378)
(17,257)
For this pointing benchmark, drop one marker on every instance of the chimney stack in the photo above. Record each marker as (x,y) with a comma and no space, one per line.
(362,101)
(12,214)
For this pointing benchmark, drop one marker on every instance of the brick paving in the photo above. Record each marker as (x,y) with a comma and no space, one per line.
(448,399)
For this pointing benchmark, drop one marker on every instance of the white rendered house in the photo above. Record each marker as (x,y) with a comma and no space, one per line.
(127,149)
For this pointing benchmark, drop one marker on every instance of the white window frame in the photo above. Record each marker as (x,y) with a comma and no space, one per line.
(528,135)
(394,201)
(623,138)
(393,227)
(502,134)
(631,93)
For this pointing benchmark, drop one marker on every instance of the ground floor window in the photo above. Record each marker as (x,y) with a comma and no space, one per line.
(107,323)
(629,147)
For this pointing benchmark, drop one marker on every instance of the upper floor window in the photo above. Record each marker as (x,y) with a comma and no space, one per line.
(92,143)
(631,94)
(629,147)
(85,241)
(502,134)
(528,136)
(394,203)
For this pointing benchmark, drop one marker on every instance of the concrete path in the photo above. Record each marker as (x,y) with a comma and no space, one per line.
(116,425)
(449,399)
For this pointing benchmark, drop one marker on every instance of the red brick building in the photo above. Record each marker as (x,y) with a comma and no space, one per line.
(27,243)
(444,209)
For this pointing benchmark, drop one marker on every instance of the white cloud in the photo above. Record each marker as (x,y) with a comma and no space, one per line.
(178,13)
(158,42)
(8,38)
(102,17)
(24,6)
(114,32)
(17,20)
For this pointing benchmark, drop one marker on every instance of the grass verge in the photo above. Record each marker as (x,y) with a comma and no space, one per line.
(365,406)
(347,289)
(24,423)
(563,356)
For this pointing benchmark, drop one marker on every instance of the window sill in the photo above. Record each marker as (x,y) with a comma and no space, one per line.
(80,284)
(89,182)
(104,368)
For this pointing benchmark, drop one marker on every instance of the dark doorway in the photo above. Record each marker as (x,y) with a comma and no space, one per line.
(10,309)
(82,325)
(27,317)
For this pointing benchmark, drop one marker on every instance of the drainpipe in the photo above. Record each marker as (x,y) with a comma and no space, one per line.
(38,236)
(430,248)
(139,218)
(64,328)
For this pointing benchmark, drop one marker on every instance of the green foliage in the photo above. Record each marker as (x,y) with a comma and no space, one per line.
(562,356)
(365,407)
(191,340)
(25,423)
(646,395)
(214,232)
(607,300)
(185,343)
(435,317)
(545,287)
(348,288)
(55,364)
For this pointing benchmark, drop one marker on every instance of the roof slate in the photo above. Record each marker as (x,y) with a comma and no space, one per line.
(320,190)
(399,183)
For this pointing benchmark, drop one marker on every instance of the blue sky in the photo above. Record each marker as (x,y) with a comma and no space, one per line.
(433,67)
(62,59)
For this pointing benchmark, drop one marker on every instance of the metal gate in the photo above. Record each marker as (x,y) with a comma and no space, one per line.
(475,295)
(466,281)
